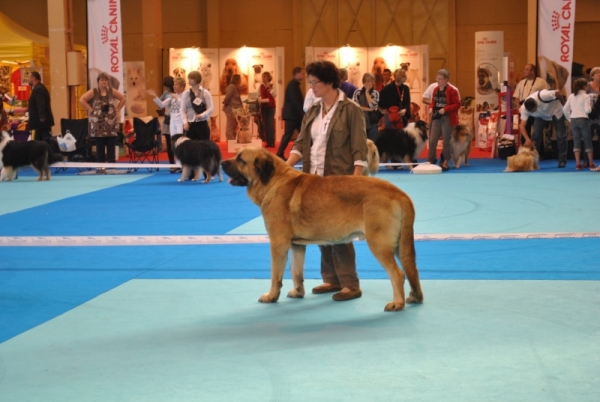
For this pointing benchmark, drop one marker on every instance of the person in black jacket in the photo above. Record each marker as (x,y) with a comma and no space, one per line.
(40,113)
(397,94)
(292,109)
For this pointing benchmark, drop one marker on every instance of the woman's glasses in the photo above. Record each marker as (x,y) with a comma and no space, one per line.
(312,83)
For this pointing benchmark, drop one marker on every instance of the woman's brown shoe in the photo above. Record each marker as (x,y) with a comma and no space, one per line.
(343,296)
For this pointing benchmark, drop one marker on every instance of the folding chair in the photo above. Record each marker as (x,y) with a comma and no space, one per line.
(79,129)
(142,143)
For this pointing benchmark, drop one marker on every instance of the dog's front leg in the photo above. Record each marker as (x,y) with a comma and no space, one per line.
(279,253)
(298,253)
(185,173)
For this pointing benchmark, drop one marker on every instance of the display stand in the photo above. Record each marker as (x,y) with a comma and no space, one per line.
(507,111)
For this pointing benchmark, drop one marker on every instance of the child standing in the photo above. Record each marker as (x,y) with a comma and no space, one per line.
(576,110)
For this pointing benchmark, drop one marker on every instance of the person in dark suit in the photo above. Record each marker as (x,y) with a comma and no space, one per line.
(40,113)
(292,109)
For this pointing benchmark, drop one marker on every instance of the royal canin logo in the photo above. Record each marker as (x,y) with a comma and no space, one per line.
(104,34)
(564,28)
(409,54)
(486,41)
(262,56)
(326,56)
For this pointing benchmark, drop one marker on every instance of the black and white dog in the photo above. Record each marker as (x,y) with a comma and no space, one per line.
(402,146)
(203,156)
(37,154)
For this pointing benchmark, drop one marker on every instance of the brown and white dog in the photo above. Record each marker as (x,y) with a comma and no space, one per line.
(461,145)
(526,160)
(179,72)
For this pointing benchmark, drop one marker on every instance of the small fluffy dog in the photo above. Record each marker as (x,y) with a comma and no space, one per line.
(37,154)
(203,156)
(354,76)
(484,84)
(179,72)
(372,159)
(244,135)
(461,145)
(231,67)
(402,145)
(526,160)
(206,73)
(258,70)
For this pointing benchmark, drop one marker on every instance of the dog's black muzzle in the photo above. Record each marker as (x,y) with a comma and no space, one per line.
(235,177)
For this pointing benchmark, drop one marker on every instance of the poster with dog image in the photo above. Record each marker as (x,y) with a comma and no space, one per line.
(409,60)
(135,89)
(233,61)
(379,59)
(489,59)
(182,61)
(209,60)
(556,24)
(354,59)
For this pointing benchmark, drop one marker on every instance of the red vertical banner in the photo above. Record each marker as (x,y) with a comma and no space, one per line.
(556,25)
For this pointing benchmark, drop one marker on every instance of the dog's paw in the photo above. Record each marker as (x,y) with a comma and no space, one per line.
(414,299)
(296,294)
(394,306)
(268,298)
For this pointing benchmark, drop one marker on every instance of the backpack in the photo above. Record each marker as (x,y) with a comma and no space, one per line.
(595,113)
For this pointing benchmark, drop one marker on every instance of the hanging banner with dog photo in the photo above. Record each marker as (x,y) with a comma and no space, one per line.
(556,23)
(105,43)
(489,56)
(380,59)
(135,89)
(410,59)
(182,61)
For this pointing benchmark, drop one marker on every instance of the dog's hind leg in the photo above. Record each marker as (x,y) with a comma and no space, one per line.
(185,173)
(197,173)
(383,248)
(298,254)
(220,173)
(47,171)
(279,256)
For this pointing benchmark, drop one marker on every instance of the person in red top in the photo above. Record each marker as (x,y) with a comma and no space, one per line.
(445,104)
(267,100)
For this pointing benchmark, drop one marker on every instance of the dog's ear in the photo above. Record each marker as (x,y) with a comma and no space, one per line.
(265,168)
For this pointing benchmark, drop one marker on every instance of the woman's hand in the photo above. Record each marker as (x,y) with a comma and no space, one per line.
(186,126)
(402,112)
(151,93)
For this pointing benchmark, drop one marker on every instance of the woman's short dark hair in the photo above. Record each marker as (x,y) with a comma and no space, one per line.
(268,75)
(102,76)
(325,71)
(168,83)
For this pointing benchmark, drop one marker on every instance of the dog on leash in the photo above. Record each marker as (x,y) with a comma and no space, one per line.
(526,160)
(37,154)
(199,156)
(372,159)
(300,209)
(460,143)
(402,146)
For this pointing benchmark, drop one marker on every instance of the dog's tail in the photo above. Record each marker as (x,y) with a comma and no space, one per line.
(407,254)
(373,158)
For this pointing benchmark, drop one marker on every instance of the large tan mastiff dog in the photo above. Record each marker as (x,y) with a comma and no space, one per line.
(301,209)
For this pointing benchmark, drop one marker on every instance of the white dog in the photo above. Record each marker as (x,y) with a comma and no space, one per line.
(412,76)
(354,74)
(206,73)
(258,70)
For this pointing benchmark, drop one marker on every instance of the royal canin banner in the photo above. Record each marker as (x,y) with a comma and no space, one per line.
(556,25)
(105,42)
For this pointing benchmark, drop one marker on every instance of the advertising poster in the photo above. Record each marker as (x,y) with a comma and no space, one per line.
(182,61)
(209,60)
(135,89)
(489,57)
(378,59)
(556,22)
(105,42)
(355,60)
(409,60)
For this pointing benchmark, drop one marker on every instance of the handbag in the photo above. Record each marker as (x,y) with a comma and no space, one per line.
(198,109)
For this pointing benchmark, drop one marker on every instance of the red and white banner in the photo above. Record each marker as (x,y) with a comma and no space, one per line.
(556,25)
(105,42)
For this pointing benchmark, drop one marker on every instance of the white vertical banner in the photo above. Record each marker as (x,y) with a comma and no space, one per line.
(556,24)
(105,42)
(489,57)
